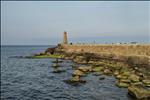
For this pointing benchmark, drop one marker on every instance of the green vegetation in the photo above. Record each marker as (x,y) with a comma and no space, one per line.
(49,56)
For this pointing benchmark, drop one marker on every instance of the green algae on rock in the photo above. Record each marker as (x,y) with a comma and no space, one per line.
(48,56)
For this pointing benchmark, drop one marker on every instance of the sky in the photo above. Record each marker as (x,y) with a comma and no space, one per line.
(43,22)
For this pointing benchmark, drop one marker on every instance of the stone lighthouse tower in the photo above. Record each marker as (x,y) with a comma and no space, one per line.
(65,40)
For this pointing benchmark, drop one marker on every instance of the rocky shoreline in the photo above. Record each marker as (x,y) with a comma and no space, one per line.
(134,77)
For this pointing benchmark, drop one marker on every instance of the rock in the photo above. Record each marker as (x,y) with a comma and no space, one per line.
(111,66)
(70,58)
(74,66)
(85,69)
(125,80)
(121,77)
(70,50)
(136,68)
(138,60)
(122,84)
(126,73)
(137,83)
(40,54)
(107,71)
(140,74)
(55,65)
(116,72)
(88,56)
(134,78)
(67,58)
(79,59)
(50,50)
(139,92)
(133,71)
(29,57)
(57,61)
(48,56)
(82,62)
(78,73)
(97,64)
(100,63)
(97,74)
(146,82)
(124,70)
(90,62)
(116,67)
(97,69)
(58,71)
(75,78)
(102,78)
(75,81)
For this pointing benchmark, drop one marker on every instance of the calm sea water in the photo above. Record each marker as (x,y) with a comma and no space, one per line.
(32,79)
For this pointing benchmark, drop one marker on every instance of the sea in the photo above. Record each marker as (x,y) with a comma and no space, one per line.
(33,79)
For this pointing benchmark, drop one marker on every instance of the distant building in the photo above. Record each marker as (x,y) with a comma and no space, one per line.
(118,43)
(133,42)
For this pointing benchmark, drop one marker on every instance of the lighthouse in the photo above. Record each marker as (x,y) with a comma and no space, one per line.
(65,40)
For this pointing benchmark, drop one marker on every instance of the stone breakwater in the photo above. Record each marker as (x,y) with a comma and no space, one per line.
(134,54)
(127,49)
(129,64)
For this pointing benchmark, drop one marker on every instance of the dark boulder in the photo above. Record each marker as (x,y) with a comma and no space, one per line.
(50,50)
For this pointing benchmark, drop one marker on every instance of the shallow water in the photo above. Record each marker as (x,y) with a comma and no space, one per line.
(33,79)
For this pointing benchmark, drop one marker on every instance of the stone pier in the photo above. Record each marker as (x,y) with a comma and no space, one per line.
(138,54)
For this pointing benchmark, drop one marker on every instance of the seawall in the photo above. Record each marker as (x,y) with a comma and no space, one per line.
(137,54)
(124,49)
